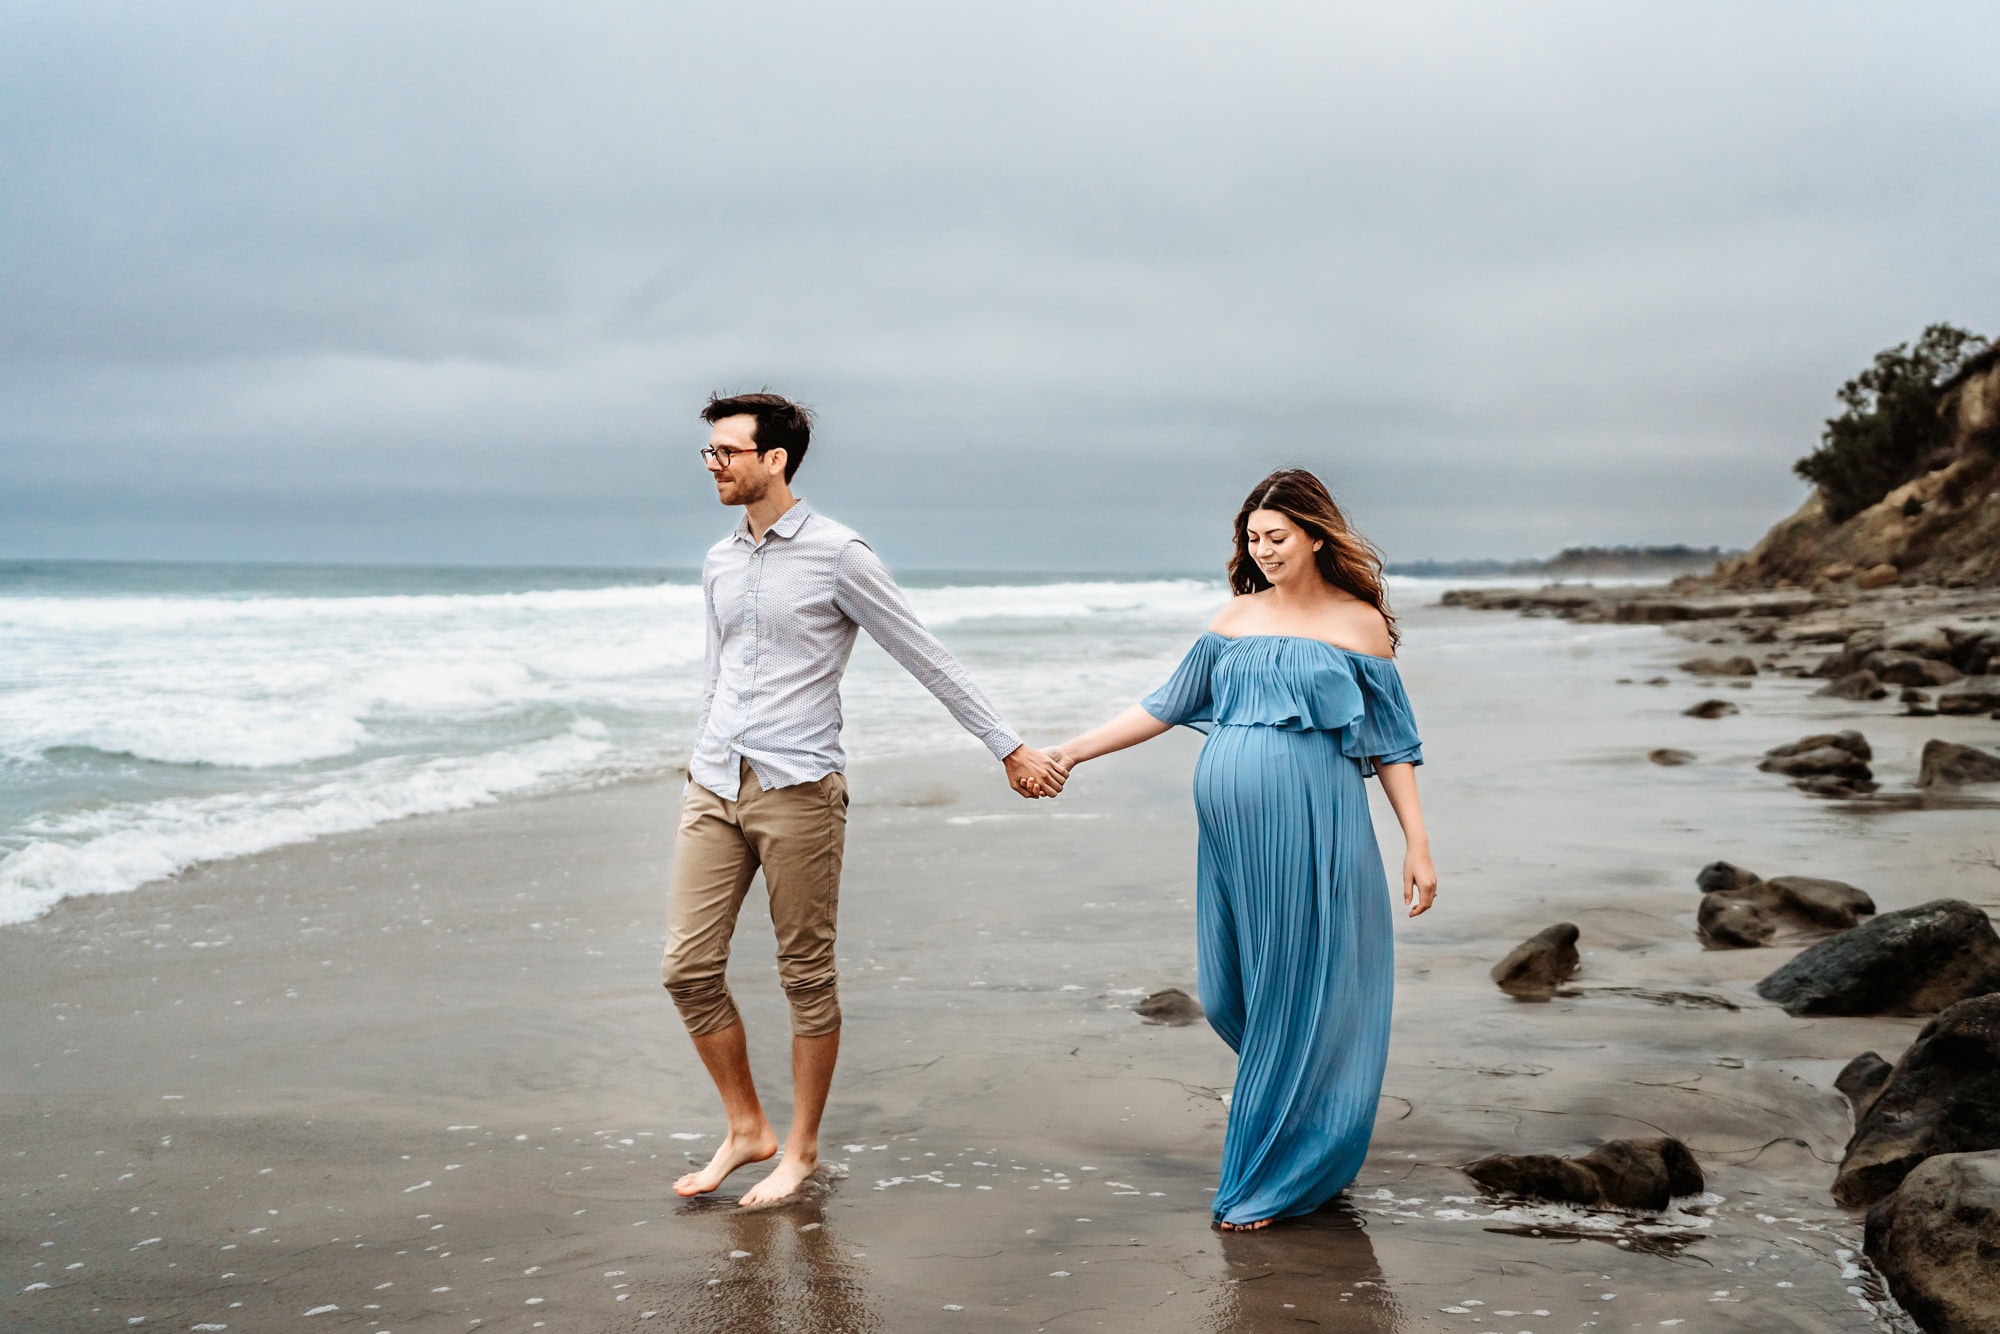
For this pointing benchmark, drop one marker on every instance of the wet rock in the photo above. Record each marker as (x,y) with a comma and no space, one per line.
(1658,681)
(1849,740)
(1916,961)
(1736,666)
(1947,764)
(1667,755)
(1943,1096)
(1853,654)
(1541,963)
(1171,1006)
(1822,760)
(1933,643)
(1969,701)
(1934,1241)
(1623,1173)
(1836,786)
(1974,652)
(1749,915)
(1903,669)
(1721,877)
(1863,684)
(1711,708)
(1830,764)
(1861,1079)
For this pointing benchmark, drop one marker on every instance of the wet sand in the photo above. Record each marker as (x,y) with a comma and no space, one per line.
(424,1077)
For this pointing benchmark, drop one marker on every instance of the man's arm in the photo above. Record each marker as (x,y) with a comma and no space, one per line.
(711,658)
(867,594)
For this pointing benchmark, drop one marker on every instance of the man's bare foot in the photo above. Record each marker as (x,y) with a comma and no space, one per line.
(736,1150)
(1257,1226)
(784,1181)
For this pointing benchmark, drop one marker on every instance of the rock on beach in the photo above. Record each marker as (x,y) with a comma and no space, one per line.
(1948,764)
(1622,1173)
(1171,1006)
(1739,665)
(1934,1242)
(1942,1096)
(1739,910)
(1541,963)
(1916,961)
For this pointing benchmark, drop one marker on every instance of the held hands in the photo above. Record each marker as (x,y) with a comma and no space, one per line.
(1420,881)
(1035,773)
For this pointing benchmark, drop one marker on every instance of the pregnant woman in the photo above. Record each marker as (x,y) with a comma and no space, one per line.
(1296,685)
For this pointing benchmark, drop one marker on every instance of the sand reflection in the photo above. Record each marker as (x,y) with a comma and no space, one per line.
(1320,1270)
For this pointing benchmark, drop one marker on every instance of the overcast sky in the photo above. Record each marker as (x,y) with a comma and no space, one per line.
(407,281)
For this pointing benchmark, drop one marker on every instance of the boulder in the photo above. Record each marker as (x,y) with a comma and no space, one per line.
(1751,914)
(1835,785)
(1622,1173)
(1974,652)
(1936,1243)
(1831,905)
(1943,1096)
(1849,740)
(1736,666)
(1711,708)
(1969,701)
(1829,764)
(1932,643)
(1861,1079)
(1916,961)
(1903,669)
(1947,764)
(1863,684)
(1719,877)
(1825,760)
(1877,576)
(1667,755)
(1853,653)
(1539,964)
(1172,1006)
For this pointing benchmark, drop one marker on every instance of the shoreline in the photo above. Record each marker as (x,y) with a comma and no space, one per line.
(324,1009)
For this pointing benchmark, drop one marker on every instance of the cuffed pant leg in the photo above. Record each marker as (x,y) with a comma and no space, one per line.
(713,867)
(800,835)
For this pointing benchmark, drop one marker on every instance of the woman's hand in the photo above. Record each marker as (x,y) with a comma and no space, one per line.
(1034,773)
(1420,881)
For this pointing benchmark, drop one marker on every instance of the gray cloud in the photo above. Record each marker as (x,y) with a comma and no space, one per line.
(448,281)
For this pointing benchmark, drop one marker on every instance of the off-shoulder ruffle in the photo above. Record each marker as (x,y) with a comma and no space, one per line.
(1294,683)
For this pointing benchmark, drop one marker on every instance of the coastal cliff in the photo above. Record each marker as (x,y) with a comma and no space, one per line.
(1941,527)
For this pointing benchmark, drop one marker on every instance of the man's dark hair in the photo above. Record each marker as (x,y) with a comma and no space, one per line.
(781,423)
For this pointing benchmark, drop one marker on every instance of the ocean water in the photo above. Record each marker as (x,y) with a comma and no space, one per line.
(157,716)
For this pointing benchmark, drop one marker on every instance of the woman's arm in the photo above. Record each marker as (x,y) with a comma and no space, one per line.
(1127,729)
(1420,879)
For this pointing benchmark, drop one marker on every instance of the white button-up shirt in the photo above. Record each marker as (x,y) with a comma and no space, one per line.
(782,615)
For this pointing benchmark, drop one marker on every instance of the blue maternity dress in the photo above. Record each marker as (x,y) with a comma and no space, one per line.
(1295,952)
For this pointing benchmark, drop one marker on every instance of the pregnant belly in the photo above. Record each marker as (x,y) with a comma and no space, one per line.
(1244,772)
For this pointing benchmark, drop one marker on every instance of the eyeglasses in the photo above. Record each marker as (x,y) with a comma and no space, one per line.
(723,455)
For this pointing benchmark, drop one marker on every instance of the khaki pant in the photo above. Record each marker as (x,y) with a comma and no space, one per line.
(796,835)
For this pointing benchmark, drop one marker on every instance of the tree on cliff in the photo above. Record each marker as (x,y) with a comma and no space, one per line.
(1891,431)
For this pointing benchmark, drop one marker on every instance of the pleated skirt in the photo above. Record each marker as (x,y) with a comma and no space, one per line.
(1296,963)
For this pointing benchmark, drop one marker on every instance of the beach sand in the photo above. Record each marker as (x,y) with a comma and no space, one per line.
(425,1078)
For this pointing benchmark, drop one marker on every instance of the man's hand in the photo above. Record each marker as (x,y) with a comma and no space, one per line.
(1032,773)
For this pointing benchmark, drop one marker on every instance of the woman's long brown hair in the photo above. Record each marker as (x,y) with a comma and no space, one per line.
(1346,559)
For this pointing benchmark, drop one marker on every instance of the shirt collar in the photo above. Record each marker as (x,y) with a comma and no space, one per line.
(787,526)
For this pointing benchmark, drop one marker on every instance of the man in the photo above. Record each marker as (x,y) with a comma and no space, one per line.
(786,593)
